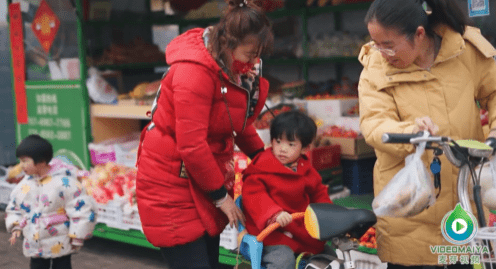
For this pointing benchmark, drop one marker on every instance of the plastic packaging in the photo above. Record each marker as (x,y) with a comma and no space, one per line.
(488,183)
(409,192)
(99,90)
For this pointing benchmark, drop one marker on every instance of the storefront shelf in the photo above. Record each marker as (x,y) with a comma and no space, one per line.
(339,8)
(120,111)
(131,66)
(336,59)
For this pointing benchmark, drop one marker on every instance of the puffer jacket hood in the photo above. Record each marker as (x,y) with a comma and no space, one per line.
(189,47)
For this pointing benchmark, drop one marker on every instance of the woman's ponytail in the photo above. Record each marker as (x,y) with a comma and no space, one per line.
(447,12)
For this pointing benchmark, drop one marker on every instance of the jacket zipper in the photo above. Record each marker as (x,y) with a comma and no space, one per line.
(248,94)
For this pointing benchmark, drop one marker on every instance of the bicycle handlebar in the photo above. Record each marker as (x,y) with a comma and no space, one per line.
(276,225)
(394,138)
(399,138)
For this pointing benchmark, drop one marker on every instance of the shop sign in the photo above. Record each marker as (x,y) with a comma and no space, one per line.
(57,113)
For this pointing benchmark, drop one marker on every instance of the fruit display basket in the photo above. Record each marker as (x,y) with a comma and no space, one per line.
(113,215)
(294,89)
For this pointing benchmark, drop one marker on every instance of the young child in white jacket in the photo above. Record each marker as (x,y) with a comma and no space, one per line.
(49,206)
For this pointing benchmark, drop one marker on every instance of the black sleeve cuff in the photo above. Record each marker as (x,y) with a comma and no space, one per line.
(218,194)
(254,154)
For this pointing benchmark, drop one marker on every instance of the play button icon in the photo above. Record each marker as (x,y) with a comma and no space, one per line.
(459,226)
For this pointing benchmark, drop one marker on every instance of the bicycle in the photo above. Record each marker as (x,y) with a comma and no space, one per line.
(466,155)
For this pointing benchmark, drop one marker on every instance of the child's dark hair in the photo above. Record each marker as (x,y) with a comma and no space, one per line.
(407,15)
(35,147)
(294,125)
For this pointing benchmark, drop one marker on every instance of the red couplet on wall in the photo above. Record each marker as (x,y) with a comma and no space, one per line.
(18,63)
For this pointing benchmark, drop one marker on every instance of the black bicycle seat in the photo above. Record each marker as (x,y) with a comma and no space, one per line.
(334,220)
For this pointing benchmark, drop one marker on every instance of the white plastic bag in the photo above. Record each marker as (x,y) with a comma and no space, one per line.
(99,90)
(488,184)
(409,192)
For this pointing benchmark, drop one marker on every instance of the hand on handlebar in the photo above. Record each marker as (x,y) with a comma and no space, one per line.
(284,218)
(425,123)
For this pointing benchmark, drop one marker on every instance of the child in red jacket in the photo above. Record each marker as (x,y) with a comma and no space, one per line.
(281,181)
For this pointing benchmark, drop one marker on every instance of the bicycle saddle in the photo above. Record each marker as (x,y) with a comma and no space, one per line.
(325,221)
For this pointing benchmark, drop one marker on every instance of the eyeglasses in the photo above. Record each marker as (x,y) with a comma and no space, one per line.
(388,52)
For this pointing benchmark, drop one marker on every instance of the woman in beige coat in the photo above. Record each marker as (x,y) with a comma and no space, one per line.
(424,70)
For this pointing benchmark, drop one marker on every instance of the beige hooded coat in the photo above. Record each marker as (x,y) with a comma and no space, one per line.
(390,99)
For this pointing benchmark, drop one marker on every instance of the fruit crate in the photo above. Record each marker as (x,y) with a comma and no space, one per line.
(110,214)
(132,221)
(113,216)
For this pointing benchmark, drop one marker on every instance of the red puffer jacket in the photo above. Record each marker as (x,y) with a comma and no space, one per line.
(190,125)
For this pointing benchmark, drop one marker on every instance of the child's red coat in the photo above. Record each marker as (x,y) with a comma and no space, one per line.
(269,187)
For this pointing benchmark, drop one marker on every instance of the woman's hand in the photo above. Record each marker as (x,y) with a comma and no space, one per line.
(284,218)
(14,236)
(232,212)
(425,124)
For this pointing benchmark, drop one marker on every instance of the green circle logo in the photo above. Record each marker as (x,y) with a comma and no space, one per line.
(459,226)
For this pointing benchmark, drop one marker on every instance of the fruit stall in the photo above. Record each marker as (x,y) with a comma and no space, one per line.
(88,85)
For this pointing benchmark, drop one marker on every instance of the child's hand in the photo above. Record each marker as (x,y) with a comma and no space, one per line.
(14,236)
(76,244)
(284,218)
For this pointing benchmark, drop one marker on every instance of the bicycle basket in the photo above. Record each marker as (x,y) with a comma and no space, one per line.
(486,237)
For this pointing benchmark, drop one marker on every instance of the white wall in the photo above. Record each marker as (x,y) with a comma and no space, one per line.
(3,11)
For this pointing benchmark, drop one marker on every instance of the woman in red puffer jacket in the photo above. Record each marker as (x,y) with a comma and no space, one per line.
(207,102)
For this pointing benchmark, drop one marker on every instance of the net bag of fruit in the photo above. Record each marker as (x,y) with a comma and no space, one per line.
(409,192)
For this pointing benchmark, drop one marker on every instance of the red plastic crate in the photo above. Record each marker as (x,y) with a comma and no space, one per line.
(325,157)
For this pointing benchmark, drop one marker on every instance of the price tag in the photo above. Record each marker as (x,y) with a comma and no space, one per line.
(478,8)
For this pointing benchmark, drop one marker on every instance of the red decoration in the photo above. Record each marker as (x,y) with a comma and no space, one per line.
(18,63)
(45,25)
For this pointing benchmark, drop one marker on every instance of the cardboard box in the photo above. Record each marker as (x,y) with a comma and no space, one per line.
(330,110)
(351,147)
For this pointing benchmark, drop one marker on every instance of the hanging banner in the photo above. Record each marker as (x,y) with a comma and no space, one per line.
(45,25)
(18,63)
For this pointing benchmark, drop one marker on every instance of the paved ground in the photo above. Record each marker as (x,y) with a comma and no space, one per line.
(96,253)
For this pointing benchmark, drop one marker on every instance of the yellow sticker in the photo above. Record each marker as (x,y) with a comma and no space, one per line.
(46,180)
(56,248)
(61,211)
(25,188)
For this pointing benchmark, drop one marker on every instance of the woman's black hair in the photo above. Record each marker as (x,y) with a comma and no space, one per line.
(294,125)
(243,18)
(35,147)
(407,15)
